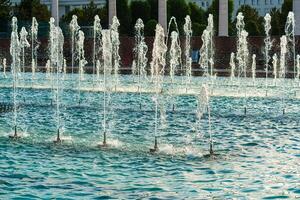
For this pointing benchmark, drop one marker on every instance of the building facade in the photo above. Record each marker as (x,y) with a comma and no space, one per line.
(262,6)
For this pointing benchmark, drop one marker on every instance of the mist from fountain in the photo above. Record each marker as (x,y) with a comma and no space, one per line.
(82,61)
(140,56)
(115,49)
(23,44)
(203,107)
(74,28)
(34,46)
(275,66)
(158,64)
(188,32)
(283,52)
(253,68)
(290,36)
(4,67)
(268,44)
(172,20)
(207,49)
(107,70)
(298,67)
(97,48)
(282,70)
(57,61)
(240,26)
(175,55)
(232,66)
(15,52)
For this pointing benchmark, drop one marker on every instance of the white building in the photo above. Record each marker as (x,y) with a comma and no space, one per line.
(67,5)
(262,6)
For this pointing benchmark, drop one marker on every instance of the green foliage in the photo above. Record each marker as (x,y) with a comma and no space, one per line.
(32,8)
(198,28)
(198,15)
(276,23)
(124,16)
(150,27)
(87,14)
(5,14)
(178,9)
(140,9)
(253,21)
(153,9)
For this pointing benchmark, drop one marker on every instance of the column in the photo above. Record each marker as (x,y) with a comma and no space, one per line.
(54,11)
(296,9)
(112,10)
(223,17)
(162,14)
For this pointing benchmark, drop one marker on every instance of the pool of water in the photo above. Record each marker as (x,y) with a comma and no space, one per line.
(258,154)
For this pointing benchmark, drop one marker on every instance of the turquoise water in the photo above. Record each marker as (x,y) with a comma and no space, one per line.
(258,154)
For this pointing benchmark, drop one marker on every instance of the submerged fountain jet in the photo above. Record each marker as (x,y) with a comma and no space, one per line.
(15,52)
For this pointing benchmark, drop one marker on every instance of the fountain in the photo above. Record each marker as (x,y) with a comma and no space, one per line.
(207,49)
(4,67)
(115,42)
(74,28)
(140,55)
(107,69)
(188,60)
(82,62)
(15,52)
(97,44)
(174,54)
(202,107)
(57,61)
(298,67)
(232,66)
(282,70)
(253,68)
(290,36)
(275,63)
(268,45)
(158,64)
(34,46)
(23,44)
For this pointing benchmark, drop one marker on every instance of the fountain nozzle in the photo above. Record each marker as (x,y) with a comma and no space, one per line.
(15,136)
(58,140)
(211,152)
(155,149)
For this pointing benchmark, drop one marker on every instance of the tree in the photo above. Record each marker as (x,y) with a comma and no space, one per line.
(140,9)
(198,15)
(32,8)
(5,14)
(153,9)
(178,9)
(198,29)
(87,14)
(124,16)
(150,27)
(276,22)
(253,21)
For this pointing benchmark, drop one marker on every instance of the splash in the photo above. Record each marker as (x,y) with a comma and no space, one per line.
(34,45)
(283,52)
(115,41)
(253,67)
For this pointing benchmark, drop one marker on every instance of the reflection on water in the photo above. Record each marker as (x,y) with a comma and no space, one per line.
(258,154)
